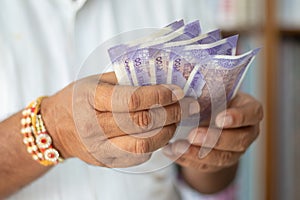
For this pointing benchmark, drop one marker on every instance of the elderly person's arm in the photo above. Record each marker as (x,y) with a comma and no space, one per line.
(94,120)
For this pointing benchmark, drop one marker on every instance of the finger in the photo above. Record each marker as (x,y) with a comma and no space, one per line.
(248,114)
(236,140)
(145,142)
(214,157)
(109,77)
(118,124)
(122,98)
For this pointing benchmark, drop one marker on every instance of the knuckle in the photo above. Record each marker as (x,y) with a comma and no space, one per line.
(202,166)
(170,130)
(183,161)
(176,113)
(207,168)
(238,117)
(142,146)
(260,112)
(142,118)
(162,94)
(244,142)
(225,158)
(134,101)
(247,137)
(159,94)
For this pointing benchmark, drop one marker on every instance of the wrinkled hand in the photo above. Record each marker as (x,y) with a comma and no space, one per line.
(240,124)
(112,125)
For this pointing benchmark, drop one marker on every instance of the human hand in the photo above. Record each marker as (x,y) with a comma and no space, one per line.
(241,127)
(112,125)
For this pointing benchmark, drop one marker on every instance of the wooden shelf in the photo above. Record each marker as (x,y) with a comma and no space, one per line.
(289,32)
(242,31)
(271,40)
(272,34)
(282,31)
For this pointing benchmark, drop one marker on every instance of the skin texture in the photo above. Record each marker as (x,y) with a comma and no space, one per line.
(241,128)
(73,117)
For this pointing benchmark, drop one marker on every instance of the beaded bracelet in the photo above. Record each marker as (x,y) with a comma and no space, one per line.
(36,137)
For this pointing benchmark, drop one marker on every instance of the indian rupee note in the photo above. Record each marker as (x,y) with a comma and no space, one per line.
(184,59)
(139,59)
(160,54)
(218,74)
(118,56)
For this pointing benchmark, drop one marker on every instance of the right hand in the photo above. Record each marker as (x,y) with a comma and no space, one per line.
(111,125)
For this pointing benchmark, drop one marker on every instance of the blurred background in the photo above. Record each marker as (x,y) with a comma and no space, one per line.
(270,169)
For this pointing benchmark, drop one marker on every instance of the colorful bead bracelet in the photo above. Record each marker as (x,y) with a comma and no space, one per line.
(36,137)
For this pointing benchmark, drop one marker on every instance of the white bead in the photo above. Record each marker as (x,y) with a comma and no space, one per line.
(34,148)
(28,120)
(25,141)
(30,139)
(35,157)
(28,130)
(40,155)
(23,121)
(29,149)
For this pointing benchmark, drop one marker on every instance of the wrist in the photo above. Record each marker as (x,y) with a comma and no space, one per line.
(58,119)
(48,113)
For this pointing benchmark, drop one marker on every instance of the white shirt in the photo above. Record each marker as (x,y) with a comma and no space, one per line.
(42,46)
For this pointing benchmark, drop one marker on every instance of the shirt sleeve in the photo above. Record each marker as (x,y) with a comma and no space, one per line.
(188,193)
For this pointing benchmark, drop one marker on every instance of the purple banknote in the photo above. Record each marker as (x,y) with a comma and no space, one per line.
(140,64)
(118,54)
(160,54)
(184,58)
(221,75)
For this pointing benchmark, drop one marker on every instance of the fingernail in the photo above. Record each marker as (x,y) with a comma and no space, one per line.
(194,108)
(168,150)
(224,121)
(177,94)
(180,148)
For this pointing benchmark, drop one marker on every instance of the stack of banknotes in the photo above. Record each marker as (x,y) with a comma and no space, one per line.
(204,65)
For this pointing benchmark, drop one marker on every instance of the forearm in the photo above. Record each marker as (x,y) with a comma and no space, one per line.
(209,183)
(17,168)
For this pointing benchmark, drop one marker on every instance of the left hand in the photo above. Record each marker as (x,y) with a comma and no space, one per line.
(240,129)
